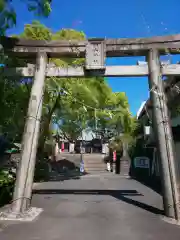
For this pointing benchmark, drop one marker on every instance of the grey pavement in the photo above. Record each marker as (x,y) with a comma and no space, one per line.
(102,206)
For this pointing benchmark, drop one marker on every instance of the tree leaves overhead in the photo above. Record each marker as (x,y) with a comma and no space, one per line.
(70,103)
(40,7)
(8,14)
(14,101)
(36,31)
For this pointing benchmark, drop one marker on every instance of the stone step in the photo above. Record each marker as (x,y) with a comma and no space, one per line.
(91,168)
(94,169)
(95,163)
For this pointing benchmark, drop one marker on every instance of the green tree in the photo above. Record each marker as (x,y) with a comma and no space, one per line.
(68,110)
(78,106)
(14,97)
(8,14)
(78,88)
(115,108)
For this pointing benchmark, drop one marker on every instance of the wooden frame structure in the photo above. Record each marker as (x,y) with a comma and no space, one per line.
(95,51)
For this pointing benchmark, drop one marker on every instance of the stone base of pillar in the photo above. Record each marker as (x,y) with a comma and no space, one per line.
(28,216)
(171,220)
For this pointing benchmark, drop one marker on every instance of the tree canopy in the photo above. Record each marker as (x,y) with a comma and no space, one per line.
(72,104)
(8,14)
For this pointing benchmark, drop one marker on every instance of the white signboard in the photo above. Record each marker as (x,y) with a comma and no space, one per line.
(142,162)
(95,55)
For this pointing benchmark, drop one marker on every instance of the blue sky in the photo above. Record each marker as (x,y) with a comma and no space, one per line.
(112,19)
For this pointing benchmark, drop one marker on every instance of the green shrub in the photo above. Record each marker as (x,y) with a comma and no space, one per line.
(7,181)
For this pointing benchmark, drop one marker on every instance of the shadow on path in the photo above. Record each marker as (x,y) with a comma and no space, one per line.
(154,184)
(122,195)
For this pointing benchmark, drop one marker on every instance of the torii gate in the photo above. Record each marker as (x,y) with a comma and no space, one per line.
(94,51)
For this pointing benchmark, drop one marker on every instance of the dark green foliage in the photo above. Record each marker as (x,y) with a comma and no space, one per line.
(8,14)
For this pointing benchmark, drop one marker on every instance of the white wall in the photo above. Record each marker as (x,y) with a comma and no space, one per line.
(87,135)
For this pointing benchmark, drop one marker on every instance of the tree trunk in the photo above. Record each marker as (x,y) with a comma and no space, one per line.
(45,127)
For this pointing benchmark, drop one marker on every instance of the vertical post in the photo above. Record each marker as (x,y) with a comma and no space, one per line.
(95,119)
(163,135)
(25,174)
(81,156)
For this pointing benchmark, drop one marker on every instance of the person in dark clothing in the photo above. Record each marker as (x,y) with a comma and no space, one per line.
(118,161)
(4,143)
(3,147)
(111,160)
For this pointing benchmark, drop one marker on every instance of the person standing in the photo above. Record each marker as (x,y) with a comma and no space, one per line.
(4,144)
(62,147)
